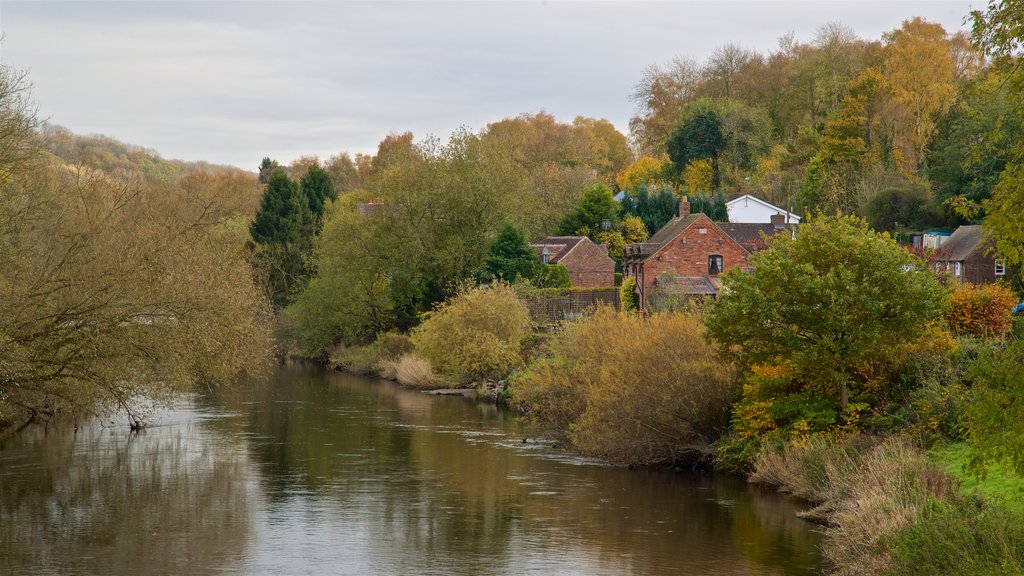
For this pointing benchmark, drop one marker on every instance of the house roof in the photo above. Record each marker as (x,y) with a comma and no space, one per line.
(690,285)
(558,246)
(676,226)
(963,242)
(750,198)
(748,235)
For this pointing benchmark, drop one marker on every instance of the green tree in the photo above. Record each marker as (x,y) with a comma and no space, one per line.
(318,188)
(902,210)
(998,31)
(590,215)
(994,413)
(553,276)
(653,209)
(698,136)
(510,256)
(267,167)
(833,299)
(281,232)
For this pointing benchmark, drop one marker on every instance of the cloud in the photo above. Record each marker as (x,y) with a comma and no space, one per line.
(231,82)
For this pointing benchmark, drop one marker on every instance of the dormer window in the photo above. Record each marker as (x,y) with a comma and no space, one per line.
(715,265)
(545,256)
(1000,267)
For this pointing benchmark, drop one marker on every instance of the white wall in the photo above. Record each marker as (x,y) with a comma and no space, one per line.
(748,210)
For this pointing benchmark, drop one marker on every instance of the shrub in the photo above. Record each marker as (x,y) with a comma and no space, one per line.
(370,358)
(412,370)
(994,412)
(477,334)
(964,536)
(982,311)
(628,298)
(653,393)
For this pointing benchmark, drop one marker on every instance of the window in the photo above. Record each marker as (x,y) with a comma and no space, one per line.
(545,256)
(956,269)
(1000,267)
(715,264)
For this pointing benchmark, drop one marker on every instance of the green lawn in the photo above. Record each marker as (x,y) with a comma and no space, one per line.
(1001,483)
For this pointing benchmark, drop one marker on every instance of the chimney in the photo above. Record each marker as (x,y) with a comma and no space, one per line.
(684,207)
(779,221)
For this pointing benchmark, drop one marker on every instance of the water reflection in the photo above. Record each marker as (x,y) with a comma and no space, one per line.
(323,473)
(169,500)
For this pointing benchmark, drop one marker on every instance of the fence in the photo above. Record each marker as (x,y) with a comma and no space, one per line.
(568,305)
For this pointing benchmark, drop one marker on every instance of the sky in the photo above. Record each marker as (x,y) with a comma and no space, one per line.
(232,82)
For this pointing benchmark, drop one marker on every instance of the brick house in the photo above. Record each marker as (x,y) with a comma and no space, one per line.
(966,256)
(691,252)
(588,263)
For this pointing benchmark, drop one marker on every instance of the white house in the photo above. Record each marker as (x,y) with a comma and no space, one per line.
(750,210)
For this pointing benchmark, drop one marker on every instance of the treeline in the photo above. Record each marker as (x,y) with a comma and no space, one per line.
(903,130)
(425,217)
(124,276)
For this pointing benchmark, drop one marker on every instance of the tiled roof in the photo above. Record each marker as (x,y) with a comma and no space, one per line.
(962,243)
(557,246)
(749,235)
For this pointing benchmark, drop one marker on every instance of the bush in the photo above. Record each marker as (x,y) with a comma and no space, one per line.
(369,359)
(412,370)
(982,311)
(476,335)
(628,298)
(965,536)
(653,393)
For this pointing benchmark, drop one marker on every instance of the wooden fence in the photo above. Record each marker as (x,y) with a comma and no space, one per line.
(569,305)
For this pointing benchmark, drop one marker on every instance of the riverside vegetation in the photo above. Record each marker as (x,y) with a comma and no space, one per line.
(841,370)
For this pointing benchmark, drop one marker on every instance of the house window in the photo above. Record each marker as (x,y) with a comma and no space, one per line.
(956,269)
(715,264)
(545,256)
(1000,267)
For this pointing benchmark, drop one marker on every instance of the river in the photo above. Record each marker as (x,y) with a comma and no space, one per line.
(321,473)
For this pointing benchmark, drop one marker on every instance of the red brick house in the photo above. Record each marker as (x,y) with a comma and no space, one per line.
(966,256)
(691,252)
(589,264)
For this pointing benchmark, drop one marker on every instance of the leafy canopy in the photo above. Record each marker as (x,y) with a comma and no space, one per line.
(834,298)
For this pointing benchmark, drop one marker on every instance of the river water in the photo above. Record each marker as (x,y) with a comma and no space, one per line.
(322,473)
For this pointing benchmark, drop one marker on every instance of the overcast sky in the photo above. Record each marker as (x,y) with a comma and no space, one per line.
(231,82)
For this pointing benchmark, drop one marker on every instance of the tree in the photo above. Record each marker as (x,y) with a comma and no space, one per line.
(902,210)
(827,303)
(998,31)
(643,172)
(994,412)
(510,256)
(633,229)
(596,211)
(919,72)
(117,289)
(698,136)
(654,210)
(267,167)
(318,188)
(282,235)
(553,276)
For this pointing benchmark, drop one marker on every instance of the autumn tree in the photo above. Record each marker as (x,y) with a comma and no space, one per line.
(852,297)
(998,31)
(919,73)
(114,289)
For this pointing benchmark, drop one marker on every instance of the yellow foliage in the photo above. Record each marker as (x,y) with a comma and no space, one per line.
(980,310)
(477,334)
(698,176)
(651,394)
(644,170)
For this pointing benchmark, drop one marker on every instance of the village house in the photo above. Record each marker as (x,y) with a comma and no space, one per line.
(747,209)
(966,256)
(691,252)
(588,263)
